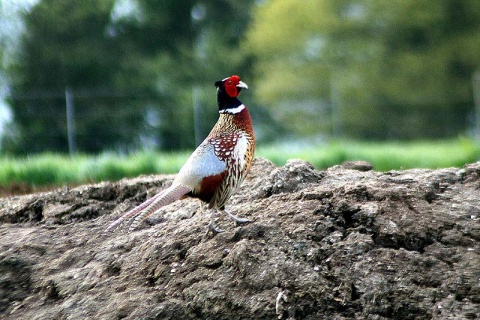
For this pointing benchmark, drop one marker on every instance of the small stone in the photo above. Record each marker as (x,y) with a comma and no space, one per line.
(357,165)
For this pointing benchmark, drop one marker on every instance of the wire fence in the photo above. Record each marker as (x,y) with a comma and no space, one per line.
(67,109)
(70,116)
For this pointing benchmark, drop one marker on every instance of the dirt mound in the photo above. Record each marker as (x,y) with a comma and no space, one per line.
(345,243)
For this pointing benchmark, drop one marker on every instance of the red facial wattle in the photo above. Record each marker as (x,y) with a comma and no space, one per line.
(231,86)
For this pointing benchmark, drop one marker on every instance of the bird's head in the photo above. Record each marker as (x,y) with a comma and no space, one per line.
(231,86)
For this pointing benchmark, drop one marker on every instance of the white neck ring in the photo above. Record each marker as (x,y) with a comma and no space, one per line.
(236,110)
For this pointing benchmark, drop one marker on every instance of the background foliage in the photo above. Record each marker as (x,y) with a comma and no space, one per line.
(130,66)
(382,69)
(141,72)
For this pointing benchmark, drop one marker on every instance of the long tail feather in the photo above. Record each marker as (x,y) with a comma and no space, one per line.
(132,212)
(170,195)
(145,209)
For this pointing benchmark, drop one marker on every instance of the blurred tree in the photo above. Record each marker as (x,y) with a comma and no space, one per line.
(67,44)
(130,65)
(387,69)
(417,82)
(194,43)
(291,78)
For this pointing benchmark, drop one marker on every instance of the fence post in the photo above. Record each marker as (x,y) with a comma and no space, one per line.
(334,105)
(70,120)
(476,100)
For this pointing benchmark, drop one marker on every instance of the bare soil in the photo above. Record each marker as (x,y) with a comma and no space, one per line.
(344,243)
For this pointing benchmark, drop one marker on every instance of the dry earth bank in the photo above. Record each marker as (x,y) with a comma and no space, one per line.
(345,243)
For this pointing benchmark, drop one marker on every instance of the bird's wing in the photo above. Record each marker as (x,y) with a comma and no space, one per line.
(202,163)
(237,173)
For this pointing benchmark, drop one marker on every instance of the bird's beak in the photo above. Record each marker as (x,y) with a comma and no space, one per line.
(242,84)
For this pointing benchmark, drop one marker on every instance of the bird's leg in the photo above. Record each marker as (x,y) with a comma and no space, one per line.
(238,221)
(211,226)
(200,206)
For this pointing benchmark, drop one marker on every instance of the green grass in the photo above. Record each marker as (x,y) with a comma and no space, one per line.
(383,156)
(53,169)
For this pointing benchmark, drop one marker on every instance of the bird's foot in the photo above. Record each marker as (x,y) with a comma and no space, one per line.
(212,228)
(238,221)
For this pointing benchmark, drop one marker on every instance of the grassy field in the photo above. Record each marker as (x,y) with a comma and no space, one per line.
(383,156)
(54,169)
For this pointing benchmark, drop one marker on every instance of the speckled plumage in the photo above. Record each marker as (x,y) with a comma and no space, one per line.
(218,165)
(234,144)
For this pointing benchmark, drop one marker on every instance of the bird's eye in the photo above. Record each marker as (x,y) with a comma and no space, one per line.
(229,82)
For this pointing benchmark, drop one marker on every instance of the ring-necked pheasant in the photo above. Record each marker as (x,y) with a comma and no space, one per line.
(217,167)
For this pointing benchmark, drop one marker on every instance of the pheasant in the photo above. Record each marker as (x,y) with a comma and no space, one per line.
(216,168)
